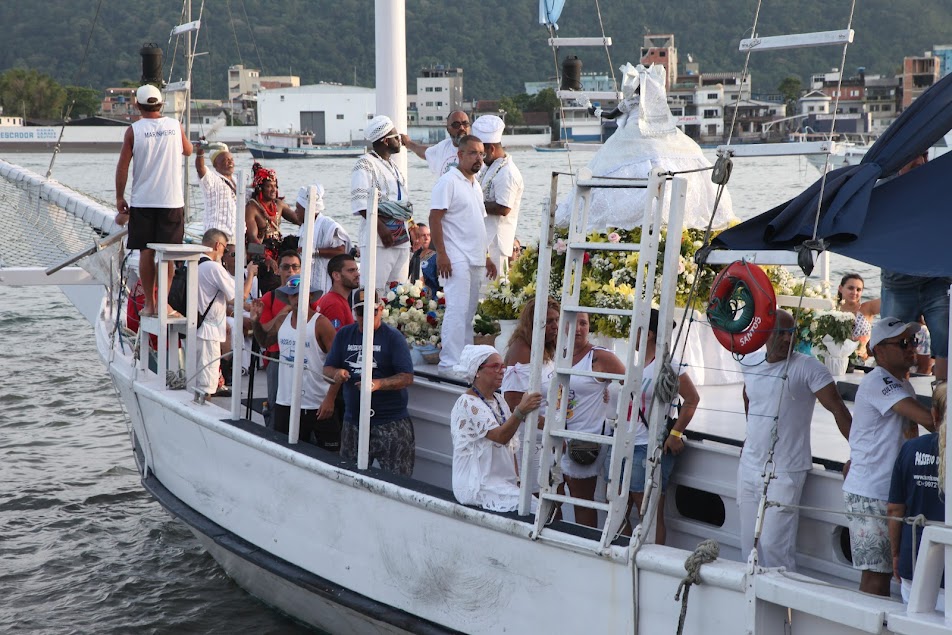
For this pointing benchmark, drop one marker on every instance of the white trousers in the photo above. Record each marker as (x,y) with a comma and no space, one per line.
(393,264)
(207,379)
(778,540)
(461,291)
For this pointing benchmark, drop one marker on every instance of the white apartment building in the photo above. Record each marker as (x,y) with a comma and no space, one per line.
(439,92)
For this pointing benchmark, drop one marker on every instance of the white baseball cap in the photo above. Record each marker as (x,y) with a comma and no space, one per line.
(148,95)
(891,327)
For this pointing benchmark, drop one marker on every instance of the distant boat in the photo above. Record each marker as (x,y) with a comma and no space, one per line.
(552,147)
(293,144)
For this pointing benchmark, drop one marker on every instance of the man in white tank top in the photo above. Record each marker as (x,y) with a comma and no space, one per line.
(156,210)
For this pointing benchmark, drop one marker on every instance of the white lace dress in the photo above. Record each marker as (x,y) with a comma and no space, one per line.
(484,472)
(648,139)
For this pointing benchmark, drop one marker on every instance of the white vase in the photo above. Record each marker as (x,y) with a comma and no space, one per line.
(837,365)
(506,329)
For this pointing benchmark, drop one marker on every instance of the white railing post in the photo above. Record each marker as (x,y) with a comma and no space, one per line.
(368,276)
(304,301)
(237,329)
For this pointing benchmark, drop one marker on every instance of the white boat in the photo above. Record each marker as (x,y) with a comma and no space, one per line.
(351,549)
(297,144)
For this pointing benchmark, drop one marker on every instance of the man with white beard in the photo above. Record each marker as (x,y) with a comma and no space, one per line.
(442,157)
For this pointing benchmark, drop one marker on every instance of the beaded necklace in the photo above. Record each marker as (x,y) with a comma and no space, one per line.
(497,411)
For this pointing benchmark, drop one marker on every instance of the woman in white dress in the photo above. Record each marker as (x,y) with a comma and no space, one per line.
(647,138)
(483,430)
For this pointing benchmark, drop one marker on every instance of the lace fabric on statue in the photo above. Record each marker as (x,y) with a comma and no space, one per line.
(633,151)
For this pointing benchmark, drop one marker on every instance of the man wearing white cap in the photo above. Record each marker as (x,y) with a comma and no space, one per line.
(502,186)
(886,412)
(442,157)
(218,188)
(329,240)
(458,236)
(156,209)
(375,170)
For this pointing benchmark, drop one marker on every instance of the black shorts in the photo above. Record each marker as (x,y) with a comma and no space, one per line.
(155,225)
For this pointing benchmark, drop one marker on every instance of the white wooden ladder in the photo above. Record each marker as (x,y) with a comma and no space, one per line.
(620,431)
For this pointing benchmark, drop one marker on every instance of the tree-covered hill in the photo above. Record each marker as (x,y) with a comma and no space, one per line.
(498,43)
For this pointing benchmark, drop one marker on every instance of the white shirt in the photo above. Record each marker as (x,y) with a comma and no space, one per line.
(648,378)
(876,433)
(220,203)
(764,384)
(371,172)
(484,472)
(157,164)
(502,184)
(442,157)
(464,233)
(327,233)
(212,278)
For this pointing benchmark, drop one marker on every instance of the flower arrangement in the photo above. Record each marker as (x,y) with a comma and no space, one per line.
(417,316)
(503,300)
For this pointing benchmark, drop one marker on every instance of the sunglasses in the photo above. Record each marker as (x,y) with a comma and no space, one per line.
(495,366)
(456,125)
(905,342)
(290,267)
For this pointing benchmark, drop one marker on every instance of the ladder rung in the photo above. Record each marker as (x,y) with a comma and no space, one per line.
(580,41)
(764,257)
(571,500)
(603,439)
(591,373)
(597,310)
(151,324)
(797,40)
(778,149)
(606,246)
(591,94)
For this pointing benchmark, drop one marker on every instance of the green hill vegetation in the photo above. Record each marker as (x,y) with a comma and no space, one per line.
(498,43)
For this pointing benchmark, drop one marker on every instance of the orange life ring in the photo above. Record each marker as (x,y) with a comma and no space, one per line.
(743,307)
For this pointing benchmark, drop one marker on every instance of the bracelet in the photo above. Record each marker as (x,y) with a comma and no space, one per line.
(677,433)
(519,414)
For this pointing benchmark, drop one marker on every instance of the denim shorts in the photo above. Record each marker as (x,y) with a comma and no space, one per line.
(639,462)
(929,299)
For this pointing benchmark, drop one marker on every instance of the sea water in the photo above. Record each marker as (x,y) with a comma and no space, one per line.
(83,548)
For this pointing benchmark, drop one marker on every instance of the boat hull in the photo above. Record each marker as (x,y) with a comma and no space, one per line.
(262,151)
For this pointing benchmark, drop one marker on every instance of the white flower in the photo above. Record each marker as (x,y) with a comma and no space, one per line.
(698,244)
(391,296)
(560,246)
(432,305)
(414,292)
(689,278)
(614,237)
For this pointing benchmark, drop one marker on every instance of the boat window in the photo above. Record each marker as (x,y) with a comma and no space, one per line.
(699,505)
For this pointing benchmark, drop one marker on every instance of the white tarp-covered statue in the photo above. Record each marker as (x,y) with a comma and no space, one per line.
(647,138)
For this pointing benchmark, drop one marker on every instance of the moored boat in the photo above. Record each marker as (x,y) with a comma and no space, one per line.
(293,144)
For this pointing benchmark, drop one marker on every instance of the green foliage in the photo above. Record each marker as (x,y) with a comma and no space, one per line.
(513,116)
(31,94)
(85,101)
(333,41)
(790,88)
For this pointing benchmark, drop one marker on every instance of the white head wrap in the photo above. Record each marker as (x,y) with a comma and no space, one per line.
(216,149)
(302,197)
(489,128)
(377,128)
(471,358)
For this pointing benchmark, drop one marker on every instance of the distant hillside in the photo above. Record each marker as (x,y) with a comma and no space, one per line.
(498,43)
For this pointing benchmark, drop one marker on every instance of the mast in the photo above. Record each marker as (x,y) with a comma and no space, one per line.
(188,98)
(390,30)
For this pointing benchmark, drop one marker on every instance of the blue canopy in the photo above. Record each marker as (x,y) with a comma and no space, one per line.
(902,224)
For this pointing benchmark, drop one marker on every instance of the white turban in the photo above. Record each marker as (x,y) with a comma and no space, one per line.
(216,149)
(489,128)
(377,128)
(302,197)
(471,358)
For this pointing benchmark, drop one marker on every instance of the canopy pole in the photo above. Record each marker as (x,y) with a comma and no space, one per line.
(367,351)
(237,328)
(303,302)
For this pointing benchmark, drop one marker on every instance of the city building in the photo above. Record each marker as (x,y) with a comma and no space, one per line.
(882,101)
(918,74)
(439,92)
(248,82)
(334,113)
(660,49)
(943,53)
(119,102)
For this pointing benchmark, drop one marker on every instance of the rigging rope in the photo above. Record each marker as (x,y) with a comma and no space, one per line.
(706,552)
(244,10)
(79,73)
(231,20)
(608,54)
(743,74)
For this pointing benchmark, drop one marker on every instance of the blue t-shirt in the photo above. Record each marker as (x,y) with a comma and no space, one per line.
(915,484)
(391,357)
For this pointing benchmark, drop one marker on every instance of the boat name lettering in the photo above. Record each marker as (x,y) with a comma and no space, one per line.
(358,347)
(751,331)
